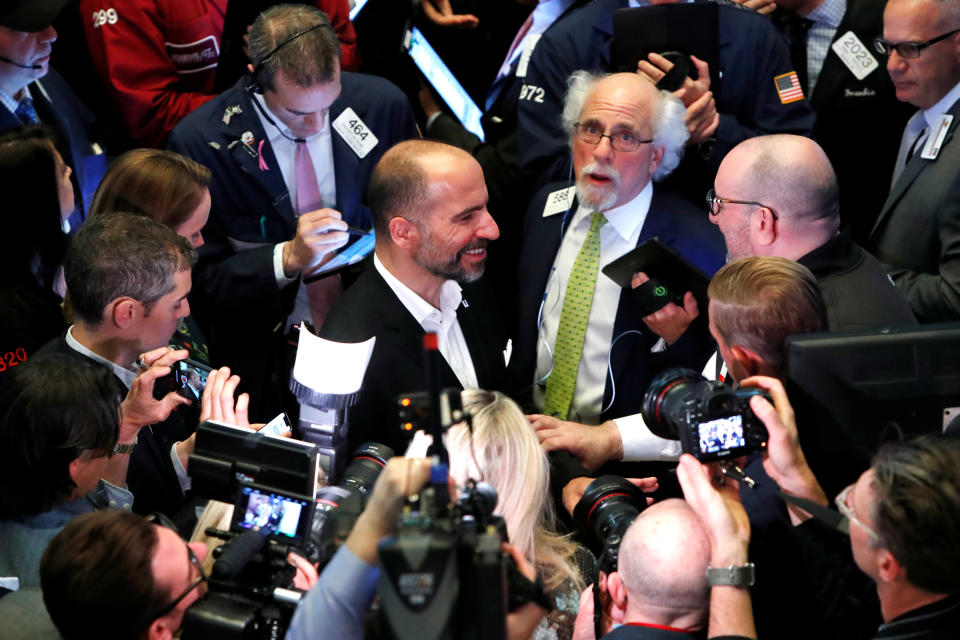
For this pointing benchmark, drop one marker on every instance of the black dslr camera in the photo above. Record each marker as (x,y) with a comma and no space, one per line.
(712,420)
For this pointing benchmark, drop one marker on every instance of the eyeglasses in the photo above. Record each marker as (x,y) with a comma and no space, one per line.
(163,521)
(847,511)
(907,49)
(621,140)
(714,202)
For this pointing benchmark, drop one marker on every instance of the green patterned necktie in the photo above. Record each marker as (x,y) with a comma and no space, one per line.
(573,323)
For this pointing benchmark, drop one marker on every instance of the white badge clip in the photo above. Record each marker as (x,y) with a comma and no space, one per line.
(525,56)
(855,55)
(559,201)
(931,149)
(355,132)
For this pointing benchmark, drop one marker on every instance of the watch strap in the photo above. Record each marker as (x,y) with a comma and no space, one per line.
(125,448)
(742,576)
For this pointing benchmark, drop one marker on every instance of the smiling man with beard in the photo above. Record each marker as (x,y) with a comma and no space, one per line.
(429,205)
(585,348)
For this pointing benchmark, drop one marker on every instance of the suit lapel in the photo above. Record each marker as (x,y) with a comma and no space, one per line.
(406,332)
(346,163)
(247,121)
(658,224)
(913,169)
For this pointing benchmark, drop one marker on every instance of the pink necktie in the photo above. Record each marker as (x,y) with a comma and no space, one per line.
(324,292)
(505,67)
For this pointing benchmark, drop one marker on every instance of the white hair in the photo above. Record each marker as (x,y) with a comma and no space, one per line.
(669,126)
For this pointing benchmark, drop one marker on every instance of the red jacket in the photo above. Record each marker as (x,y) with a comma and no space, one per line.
(158,58)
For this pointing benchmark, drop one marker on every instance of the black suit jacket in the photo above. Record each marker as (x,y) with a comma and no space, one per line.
(370,308)
(150,477)
(859,122)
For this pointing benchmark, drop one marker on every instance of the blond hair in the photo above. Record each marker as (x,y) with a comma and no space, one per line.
(504,451)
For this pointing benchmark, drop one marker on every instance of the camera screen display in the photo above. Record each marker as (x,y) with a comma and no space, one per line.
(191,378)
(274,512)
(721,434)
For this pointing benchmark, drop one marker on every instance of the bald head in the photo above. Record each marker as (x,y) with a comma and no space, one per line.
(400,183)
(663,560)
(790,173)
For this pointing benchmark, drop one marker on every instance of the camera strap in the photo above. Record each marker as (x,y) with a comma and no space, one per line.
(834,519)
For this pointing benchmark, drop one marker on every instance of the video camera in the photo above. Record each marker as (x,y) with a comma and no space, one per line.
(712,420)
(444,574)
(277,511)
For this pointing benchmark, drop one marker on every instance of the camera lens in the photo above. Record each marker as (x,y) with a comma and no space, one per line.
(365,466)
(608,506)
(664,400)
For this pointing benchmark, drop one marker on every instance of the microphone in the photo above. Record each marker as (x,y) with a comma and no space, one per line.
(237,554)
(22,66)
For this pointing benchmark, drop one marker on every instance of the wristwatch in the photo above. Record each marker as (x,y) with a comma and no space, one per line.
(125,448)
(733,576)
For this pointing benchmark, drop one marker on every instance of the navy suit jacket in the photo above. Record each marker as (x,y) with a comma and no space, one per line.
(677,224)
(251,212)
(59,107)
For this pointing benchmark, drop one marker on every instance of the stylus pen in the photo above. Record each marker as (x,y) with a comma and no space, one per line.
(351,230)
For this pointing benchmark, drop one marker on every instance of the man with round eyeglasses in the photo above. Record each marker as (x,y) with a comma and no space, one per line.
(917,233)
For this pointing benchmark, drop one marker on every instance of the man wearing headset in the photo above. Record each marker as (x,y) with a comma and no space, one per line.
(291,150)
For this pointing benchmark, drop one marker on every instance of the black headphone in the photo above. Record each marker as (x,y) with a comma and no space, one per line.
(255,86)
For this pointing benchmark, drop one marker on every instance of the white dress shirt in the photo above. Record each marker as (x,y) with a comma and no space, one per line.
(127,376)
(443,322)
(320,146)
(618,236)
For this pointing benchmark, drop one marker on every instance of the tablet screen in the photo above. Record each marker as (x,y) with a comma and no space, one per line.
(444,82)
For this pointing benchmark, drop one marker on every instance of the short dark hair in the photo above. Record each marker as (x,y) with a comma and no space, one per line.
(53,407)
(759,301)
(28,181)
(97,576)
(115,255)
(156,183)
(917,509)
(398,184)
(307,59)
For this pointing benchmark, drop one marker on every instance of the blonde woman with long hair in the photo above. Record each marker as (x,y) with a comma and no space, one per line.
(503,450)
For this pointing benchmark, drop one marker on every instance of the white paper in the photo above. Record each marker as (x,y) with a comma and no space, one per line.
(331,367)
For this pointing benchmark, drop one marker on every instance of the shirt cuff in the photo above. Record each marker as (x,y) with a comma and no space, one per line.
(660,346)
(182,476)
(432,119)
(640,445)
(281,277)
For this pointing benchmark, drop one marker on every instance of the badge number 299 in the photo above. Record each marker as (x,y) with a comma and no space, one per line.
(355,132)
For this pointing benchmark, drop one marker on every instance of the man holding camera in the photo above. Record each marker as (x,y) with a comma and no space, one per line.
(128,278)
(902,516)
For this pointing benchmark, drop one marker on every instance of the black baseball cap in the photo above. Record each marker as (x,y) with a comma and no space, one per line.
(30,15)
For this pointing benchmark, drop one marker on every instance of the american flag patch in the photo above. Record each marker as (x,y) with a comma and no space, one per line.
(788,87)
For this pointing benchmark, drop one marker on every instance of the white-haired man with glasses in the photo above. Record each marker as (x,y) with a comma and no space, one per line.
(917,233)
(585,348)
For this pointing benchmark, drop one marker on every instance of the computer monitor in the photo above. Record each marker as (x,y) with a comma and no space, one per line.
(881,384)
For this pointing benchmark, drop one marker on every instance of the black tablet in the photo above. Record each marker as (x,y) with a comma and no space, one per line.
(666,267)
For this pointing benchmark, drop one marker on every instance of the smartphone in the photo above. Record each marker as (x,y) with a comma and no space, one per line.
(187,378)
